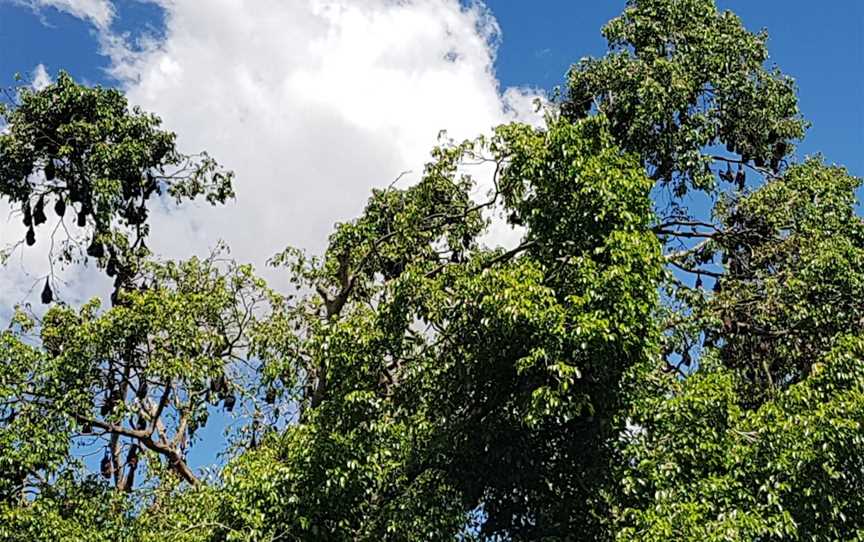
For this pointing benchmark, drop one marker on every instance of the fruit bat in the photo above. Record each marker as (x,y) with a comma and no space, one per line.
(60,206)
(96,249)
(28,216)
(727,175)
(47,294)
(50,170)
(740,178)
(780,150)
(39,212)
(105,466)
(142,390)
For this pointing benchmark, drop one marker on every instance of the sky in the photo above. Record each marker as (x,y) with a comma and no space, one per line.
(822,47)
(314,102)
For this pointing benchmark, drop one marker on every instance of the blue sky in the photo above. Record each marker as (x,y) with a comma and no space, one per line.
(821,45)
(309,137)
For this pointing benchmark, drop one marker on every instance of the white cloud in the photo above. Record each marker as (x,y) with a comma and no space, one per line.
(41,79)
(98,12)
(311,103)
(23,276)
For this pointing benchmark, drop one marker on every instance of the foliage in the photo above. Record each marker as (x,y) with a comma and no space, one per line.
(140,375)
(84,150)
(682,77)
(708,469)
(795,251)
(626,371)
(70,509)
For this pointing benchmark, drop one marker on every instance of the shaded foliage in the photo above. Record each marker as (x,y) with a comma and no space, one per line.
(625,371)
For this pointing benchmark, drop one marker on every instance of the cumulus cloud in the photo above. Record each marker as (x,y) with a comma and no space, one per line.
(41,79)
(312,103)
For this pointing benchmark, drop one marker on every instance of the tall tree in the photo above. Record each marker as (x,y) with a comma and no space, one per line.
(627,371)
(139,374)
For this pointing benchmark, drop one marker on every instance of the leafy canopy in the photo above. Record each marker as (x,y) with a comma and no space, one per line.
(628,371)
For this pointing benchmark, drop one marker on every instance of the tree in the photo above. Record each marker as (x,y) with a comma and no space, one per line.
(627,371)
(441,381)
(83,151)
(681,78)
(161,351)
(764,441)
